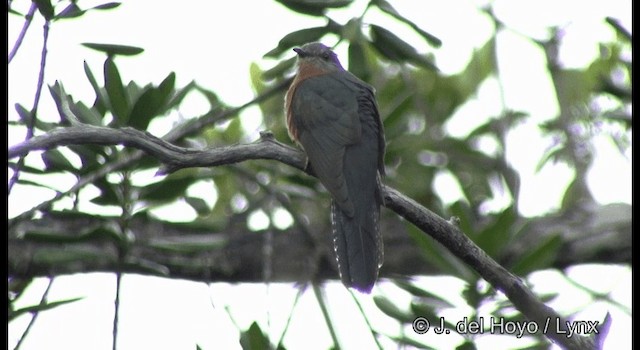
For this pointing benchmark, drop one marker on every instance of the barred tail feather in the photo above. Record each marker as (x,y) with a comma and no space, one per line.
(358,246)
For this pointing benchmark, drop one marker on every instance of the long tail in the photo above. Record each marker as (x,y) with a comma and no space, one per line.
(356,239)
(358,247)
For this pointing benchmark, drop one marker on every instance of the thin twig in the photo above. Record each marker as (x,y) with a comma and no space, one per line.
(116,314)
(175,134)
(293,307)
(325,312)
(366,320)
(27,22)
(267,147)
(43,302)
(34,109)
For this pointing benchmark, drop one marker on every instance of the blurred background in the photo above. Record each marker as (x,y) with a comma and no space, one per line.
(513,116)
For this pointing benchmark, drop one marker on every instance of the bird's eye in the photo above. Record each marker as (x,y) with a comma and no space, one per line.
(326,55)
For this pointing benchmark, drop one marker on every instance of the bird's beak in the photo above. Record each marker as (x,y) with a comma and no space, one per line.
(300,52)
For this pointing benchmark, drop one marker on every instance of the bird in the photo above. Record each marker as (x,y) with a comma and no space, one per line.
(333,115)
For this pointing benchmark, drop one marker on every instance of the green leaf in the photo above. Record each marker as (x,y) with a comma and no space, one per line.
(198,204)
(191,244)
(113,49)
(385,6)
(211,96)
(108,194)
(89,157)
(619,28)
(297,38)
(462,211)
(575,193)
(396,49)
(426,310)
(88,233)
(45,8)
(539,257)
(146,266)
(358,64)
(313,7)
(24,114)
(166,190)
(41,307)
(254,338)
(26,168)
(424,295)
(71,11)
(63,102)
(35,184)
(99,103)
(69,255)
(279,69)
(481,66)
(116,92)
(55,161)
(391,309)
(151,103)
(179,95)
(496,235)
(107,6)
(85,114)
(439,257)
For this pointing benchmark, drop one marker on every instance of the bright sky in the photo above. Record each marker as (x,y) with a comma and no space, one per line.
(215,45)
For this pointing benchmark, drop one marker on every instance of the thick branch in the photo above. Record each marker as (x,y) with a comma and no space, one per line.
(450,236)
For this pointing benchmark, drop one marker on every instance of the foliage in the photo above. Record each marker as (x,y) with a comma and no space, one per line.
(418,102)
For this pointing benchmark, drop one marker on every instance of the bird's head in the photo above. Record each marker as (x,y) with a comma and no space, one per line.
(319,55)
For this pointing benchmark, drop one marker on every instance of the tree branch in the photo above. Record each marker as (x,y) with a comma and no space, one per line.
(175,158)
(177,133)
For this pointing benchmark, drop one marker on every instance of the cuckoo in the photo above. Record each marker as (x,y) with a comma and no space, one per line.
(334,117)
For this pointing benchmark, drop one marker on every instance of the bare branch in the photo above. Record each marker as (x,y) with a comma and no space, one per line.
(174,158)
(33,115)
(28,18)
(179,132)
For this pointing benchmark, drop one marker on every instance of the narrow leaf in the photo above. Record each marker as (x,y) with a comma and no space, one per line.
(198,204)
(390,309)
(358,62)
(45,8)
(279,69)
(313,7)
(71,11)
(41,307)
(112,49)
(385,6)
(539,257)
(166,190)
(396,49)
(55,161)
(116,92)
(296,38)
(99,103)
(107,6)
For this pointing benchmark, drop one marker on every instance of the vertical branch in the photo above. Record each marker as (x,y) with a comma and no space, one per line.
(366,320)
(503,124)
(580,155)
(27,22)
(116,314)
(126,203)
(325,312)
(293,306)
(31,122)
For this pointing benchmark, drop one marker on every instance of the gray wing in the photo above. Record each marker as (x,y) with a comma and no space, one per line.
(325,114)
